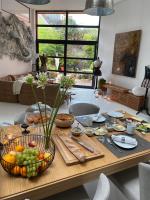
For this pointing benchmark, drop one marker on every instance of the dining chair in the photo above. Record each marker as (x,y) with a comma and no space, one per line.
(79,109)
(134,182)
(127,181)
(20,118)
(106,190)
(144,177)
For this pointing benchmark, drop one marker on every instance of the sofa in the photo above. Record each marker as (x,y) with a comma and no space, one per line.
(6,90)
(25,97)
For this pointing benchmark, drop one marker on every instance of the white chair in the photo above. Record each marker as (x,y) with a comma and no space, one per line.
(134,182)
(128,183)
(144,177)
(106,190)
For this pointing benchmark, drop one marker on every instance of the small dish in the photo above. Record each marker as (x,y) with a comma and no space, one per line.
(76,131)
(118,127)
(101,131)
(109,127)
(116,114)
(89,131)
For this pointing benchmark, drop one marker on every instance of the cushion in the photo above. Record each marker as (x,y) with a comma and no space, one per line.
(6,78)
(138,91)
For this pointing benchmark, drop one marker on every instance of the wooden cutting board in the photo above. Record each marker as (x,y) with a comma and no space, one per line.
(68,157)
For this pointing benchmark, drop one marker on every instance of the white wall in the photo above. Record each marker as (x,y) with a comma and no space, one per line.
(129,15)
(8,66)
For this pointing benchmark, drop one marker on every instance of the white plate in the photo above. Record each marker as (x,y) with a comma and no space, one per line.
(99,119)
(124,145)
(115,114)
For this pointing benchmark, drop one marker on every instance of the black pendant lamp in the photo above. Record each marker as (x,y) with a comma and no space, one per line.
(99,7)
(35,2)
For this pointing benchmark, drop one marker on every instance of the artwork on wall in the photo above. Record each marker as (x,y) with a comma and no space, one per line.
(16,40)
(126,51)
(17,8)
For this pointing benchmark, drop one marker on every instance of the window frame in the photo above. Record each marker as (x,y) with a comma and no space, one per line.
(66,42)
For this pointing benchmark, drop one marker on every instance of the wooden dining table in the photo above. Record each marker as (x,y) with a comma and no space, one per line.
(60,177)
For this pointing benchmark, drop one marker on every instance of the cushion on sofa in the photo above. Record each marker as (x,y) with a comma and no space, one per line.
(7,78)
(6,92)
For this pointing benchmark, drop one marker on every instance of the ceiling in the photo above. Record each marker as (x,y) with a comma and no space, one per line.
(63,5)
(15,7)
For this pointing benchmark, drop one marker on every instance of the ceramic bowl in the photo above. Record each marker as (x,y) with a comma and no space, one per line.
(76,131)
(89,131)
(64,120)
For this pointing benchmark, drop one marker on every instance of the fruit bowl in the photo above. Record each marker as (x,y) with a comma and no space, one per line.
(26,156)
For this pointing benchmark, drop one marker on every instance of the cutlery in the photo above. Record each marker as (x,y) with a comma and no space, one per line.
(101,139)
(111,143)
(83,144)
(98,116)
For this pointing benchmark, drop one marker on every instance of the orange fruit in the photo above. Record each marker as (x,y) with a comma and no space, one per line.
(43,165)
(10,158)
(23,171)
(19,148)
(15,170)
(41,156)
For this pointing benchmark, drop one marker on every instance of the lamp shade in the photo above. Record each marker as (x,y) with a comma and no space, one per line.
(35,2)
(99,7)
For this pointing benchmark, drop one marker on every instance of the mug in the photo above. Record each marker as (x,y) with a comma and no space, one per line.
(131,128)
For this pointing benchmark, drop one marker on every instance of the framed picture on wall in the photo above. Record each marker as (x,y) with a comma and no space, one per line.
(126,51)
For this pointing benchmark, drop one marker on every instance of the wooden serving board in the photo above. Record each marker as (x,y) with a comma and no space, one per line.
(68,157)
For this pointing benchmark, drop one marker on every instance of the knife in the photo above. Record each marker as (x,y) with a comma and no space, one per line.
(83,144)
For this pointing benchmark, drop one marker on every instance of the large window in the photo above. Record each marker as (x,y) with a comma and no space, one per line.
(70,40)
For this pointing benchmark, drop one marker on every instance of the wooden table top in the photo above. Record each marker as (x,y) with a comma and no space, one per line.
(60,177)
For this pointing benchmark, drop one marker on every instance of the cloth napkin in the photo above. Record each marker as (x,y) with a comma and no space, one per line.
(85,120)
(123,139)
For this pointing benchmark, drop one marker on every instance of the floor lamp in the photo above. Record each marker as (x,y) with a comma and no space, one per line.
(98,8)
(146,84)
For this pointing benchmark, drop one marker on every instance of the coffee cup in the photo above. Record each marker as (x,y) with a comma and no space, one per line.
(131,128)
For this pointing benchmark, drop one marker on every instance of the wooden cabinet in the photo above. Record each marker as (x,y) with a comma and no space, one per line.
(122,96)
(135,102)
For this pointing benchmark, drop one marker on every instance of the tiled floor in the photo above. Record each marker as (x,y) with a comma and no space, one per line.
(9,111)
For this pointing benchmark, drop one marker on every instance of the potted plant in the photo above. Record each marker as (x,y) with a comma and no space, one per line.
(42,80)
(101,84)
